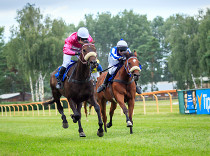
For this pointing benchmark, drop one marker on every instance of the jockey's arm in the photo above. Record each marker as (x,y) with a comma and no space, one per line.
(113,54)
(69,49)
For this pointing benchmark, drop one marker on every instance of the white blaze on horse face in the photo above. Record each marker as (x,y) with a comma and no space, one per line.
(134,60)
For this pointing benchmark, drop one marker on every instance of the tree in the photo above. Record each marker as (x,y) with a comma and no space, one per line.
(183,62)
(37,44)
(204,41)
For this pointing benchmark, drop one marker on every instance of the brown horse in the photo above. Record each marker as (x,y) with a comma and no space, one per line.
(121,90)
(78,87)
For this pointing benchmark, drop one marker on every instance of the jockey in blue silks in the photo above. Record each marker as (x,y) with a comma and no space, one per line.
(115,58)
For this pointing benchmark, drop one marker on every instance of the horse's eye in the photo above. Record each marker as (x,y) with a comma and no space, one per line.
(129,63)
(84,50)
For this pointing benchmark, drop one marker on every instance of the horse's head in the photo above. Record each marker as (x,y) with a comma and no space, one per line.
(132,65)
(88,54)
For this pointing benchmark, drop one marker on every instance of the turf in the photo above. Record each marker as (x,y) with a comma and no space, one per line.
(165,133)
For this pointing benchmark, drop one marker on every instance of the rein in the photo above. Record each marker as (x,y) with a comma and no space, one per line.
(86,57)
(110,67)
(128,71)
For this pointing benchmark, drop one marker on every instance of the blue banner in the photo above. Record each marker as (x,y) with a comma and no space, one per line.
(190,104)
(203,101)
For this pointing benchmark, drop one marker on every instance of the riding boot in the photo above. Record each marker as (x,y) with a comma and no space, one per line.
(103,86)
(59,78)
(138,89)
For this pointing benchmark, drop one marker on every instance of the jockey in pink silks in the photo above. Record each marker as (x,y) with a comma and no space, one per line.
(72,47)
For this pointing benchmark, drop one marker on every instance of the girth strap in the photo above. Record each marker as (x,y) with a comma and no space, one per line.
(70,79)
(78,81)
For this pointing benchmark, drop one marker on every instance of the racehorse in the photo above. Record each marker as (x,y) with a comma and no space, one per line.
(122,89)
(78,87)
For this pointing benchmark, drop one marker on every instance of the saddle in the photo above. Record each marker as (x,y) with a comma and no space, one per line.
(67,70)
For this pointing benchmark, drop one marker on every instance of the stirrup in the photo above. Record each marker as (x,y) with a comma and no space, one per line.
(101,88)
(138,90)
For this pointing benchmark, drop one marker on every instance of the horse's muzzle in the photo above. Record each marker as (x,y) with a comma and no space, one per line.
(93,64)
(136,77)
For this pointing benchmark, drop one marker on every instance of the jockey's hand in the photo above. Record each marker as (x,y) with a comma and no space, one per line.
(123,58)
(77,53)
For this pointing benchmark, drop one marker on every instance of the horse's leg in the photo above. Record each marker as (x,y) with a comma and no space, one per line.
(81,133)
(92,101)
(111,113)
(56,96)
(63,117)
(130,110)
(120,100)
(76,115)
(85,108)
(103,112)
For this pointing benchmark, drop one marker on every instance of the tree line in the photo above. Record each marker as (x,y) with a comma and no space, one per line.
(172,49)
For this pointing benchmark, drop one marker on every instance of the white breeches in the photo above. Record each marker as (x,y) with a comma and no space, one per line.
(95,75)
(66,60)
(112,62)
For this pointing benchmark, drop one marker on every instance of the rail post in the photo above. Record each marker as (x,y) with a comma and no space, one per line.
(156,102)
(14,110)
(43,110)
(144,103)
(170,101)
(5,110)
(37,107)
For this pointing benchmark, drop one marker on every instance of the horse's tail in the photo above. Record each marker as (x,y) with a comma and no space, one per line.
(49,102)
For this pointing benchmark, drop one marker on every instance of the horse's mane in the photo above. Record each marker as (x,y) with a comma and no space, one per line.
(128,55)
(86,41)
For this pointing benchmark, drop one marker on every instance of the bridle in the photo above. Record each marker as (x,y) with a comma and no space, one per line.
(88,55)
(130,70)
(85,57)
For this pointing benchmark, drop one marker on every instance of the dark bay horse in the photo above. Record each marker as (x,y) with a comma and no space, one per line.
(78,87)
(121,90)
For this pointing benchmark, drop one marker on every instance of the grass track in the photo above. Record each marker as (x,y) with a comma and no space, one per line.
(154,134)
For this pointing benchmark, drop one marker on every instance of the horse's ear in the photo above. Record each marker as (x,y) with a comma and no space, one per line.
(135,53)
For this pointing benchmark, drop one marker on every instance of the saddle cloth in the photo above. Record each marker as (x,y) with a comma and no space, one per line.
(67,70)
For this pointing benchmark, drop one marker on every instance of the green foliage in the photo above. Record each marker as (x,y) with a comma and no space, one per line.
(36,45)
(183,61)
(204,41)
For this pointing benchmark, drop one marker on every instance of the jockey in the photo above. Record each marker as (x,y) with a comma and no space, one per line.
(115,57)
(72,47)
(95,72)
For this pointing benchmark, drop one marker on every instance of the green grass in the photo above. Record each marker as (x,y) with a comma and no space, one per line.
(165,133)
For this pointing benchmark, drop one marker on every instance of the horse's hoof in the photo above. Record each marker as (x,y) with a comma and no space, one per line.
(105,129)
(100,134)
(74,120)
(131,130)
(129,124)
(82,134)
(109,125)
(65,125)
